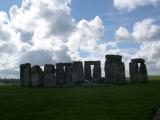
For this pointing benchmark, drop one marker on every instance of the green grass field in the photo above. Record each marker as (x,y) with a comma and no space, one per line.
(130,102)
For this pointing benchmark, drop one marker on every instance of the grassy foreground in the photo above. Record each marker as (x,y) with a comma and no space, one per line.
(131,102)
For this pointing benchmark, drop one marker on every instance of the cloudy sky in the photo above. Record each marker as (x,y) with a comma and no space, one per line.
(50,31)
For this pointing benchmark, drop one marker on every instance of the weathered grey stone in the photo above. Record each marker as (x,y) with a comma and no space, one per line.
(120,74)
(143,72)
(25,74)
(138,71)
(92,62)
(100,80)
(37,76)
(77,73)
(68,74)
(157,115)
(60,74)
(49,68)
(138,60)
(133,72)
(97,73)
(96,70)
(114,70)
(87,70)
(65,64)
(63,73)
(22,67)
(110,72)
(22,75)
(113,57)
(49,77)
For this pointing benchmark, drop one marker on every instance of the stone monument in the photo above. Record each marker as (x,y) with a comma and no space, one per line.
(77,73)
(93,78)
(37,76)
(49,76)
(114,70)
(25,74)
(138,71)
(63,73)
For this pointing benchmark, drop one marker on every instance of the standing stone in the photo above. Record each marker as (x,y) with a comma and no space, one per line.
(120,74)
(114,70)
(60,74)
(63,73)
(68,74)
(97,73)
(49,77)
(77,74)
(25,74)
(22,74)
(143,71)
(110,72)
(133,70)
(87,70)
(138,71)
(37,76)
(22,67)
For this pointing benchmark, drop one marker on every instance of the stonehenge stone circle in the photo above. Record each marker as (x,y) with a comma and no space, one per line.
(77,74)
(138,71)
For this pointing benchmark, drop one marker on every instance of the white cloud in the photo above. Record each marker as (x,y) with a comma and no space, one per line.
(44,31)
(151,52)
(133,4)
(145,30)
(36,56)
(122,34)
(86,35)
(3,17)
